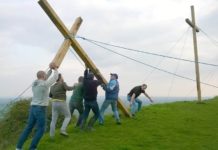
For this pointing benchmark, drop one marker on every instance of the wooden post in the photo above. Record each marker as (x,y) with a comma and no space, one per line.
(66,44)
(194,30)
(79,50)
(190,23)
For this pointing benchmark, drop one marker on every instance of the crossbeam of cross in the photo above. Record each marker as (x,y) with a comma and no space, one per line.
(71,41)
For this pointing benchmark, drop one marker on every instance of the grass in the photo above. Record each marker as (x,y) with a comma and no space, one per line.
(12,123)
(171,126)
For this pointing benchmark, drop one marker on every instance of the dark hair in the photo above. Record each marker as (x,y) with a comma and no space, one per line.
(91,75)
(59,77)
(80,79)
(144,85)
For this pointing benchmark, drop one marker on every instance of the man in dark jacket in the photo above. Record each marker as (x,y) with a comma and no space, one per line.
(111,97)
(90,96)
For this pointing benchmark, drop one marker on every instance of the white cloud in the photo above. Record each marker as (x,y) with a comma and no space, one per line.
(29,41)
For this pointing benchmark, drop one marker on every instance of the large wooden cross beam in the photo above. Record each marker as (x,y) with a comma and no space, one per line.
(70,40)
(197,72)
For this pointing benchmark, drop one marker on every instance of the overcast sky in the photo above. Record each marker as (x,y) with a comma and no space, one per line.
(29,41)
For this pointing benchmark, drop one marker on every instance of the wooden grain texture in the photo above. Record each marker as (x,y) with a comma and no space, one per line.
(79,50)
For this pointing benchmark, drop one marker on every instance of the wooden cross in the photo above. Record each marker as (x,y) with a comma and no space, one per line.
(197,72)
(70,41)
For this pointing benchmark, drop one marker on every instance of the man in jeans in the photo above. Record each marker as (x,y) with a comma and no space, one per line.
(111,97)
(37,114)
(132,97)
(90,96)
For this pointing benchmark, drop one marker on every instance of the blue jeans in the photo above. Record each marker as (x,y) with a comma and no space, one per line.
(104,106)
(90,105)
(136,105)
(37,116)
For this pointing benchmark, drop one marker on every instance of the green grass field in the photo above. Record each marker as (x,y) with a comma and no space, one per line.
(172,126)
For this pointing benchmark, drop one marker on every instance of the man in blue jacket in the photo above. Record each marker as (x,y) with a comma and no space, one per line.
(111,97)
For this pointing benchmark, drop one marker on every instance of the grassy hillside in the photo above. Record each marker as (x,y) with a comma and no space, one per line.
(14,120)
(173,126)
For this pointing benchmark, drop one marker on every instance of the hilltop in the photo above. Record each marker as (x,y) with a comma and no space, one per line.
(171,126)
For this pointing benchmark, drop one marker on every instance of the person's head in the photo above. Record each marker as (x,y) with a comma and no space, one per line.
(41,75)
(144,86)
(60,78)
(91,75)
(80,79)
(114,76)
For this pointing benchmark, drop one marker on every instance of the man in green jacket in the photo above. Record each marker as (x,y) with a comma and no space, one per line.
(76,101)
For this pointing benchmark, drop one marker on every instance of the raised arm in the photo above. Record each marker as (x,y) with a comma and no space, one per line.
(98,82)
(68,88)
(111,85)
(53,79)
(48,74)
(86,72)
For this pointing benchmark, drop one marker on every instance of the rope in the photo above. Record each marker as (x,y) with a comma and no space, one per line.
(160,62)
(3,110)
(149,53)
(162,70)
(209,77)
(177,66)
(21,94)
(18,97)
(77,58)
(215,42)
(140,51)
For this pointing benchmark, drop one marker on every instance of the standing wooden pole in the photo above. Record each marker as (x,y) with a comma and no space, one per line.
(79,50)
(196,54)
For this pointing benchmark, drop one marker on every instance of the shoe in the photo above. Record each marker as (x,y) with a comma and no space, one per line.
(118,123)
(90,129)
(101,123)
(64,133)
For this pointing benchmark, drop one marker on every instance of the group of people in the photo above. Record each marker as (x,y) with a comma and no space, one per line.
(86,89)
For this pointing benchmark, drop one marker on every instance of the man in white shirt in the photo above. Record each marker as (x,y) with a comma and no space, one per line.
(37,114)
